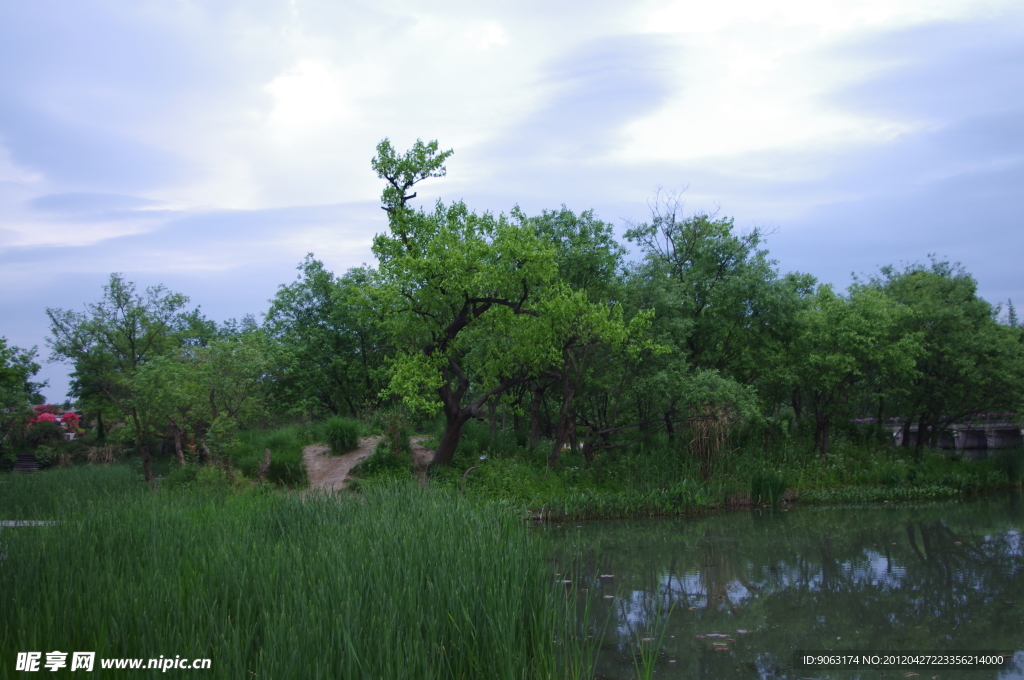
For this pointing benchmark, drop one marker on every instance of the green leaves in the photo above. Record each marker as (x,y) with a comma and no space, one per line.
(402,172)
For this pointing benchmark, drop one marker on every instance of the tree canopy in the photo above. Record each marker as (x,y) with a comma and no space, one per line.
(544,320)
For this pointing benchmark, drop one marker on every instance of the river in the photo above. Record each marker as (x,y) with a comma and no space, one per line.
(733,594)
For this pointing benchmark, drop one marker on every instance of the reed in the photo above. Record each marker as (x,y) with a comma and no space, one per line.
(342,435)
(402,584)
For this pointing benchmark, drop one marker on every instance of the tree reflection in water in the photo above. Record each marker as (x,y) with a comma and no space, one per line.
(930,577)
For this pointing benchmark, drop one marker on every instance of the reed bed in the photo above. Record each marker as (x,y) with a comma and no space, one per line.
(405,584)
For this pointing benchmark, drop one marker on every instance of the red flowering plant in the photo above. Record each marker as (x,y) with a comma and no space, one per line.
(70,419)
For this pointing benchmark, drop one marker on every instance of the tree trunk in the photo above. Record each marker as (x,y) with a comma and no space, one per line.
(824,430)
(538,396)
(177,444)
(564,424)
(445,452)
(147,466)
(668,427)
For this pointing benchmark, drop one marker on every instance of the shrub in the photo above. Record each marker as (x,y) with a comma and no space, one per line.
(285,444)
(383,463)
(1011,463)
(46,456)
(181,478)
(767,486)
(44,433)
(342,435)
(396,434)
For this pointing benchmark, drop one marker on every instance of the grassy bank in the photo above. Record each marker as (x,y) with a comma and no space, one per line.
(660,477)
(403,583)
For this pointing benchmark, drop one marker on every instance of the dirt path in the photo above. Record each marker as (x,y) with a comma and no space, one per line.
(330,473)
(421,456)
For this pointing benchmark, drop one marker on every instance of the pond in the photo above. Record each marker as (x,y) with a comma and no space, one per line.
(733,594)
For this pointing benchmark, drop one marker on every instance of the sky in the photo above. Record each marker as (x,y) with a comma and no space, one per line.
(208,146)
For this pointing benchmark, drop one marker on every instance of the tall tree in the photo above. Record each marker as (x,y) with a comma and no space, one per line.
(725,294)
(330,343)
(848,346)
(455,286)
(970,363)
(17,389)
(108,343)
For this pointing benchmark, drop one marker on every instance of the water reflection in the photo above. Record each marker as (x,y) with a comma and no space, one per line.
(747,588)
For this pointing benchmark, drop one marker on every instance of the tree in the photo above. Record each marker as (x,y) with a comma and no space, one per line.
(455,287)
(114,337)
(969,363)
(724,312)
(725,294)
(330,345)
(17,389)
(846,347)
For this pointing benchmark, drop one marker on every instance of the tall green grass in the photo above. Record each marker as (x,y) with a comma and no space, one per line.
(285,444)
(404,583)
(342,435)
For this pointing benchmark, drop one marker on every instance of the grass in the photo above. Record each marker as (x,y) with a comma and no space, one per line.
(342,435)
(404,583)
(659,477)
(285,444)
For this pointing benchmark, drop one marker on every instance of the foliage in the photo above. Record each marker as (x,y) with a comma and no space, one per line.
(329,346)
(44,432)
(383,463)
(447,281)
(342,435)
(17,390)
(114,337)
(846,347)
(767,486)
(969,362)
(285,443)
(439,586)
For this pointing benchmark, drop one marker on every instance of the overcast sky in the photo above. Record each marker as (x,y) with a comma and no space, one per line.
(209,145)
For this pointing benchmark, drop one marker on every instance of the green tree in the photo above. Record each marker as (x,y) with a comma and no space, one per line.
(970,363)
(846,347)
(454,287)
(723,296)
(330,350)
(208,392)
(108,343)
(17,389)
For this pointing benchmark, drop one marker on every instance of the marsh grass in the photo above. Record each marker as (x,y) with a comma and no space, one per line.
(661,476)
(285,443)
(402,584)
(342,435)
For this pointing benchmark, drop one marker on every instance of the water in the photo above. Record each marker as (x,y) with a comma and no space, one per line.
(931,577)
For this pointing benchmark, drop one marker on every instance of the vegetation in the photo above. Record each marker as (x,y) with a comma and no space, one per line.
(693,376)
(342,435)
(403,584)
(17,393)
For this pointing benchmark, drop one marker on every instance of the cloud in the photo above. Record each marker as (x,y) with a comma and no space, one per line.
(88,203)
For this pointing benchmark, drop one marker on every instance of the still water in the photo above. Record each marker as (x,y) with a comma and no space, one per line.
(732,595)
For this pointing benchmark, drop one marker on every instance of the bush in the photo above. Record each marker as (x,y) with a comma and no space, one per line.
(46,456)
(181,478)
(44,433)
(383,463)
(342,435)
(1011,463)
(767,486)
(285,444)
